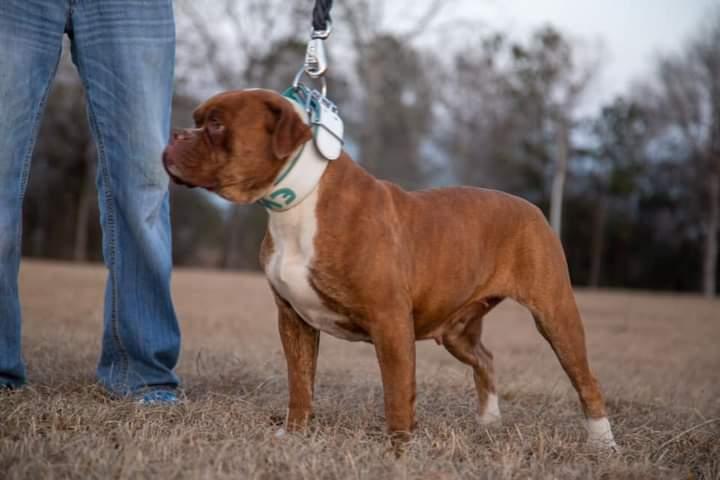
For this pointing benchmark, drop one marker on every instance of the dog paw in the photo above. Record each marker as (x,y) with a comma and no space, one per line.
(281,433)
(601,445)
(486,420)
(600,436)
(490,415)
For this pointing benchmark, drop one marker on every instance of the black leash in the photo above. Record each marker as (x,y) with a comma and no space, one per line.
(321,15)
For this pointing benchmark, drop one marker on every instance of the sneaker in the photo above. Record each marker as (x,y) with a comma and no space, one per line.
(9,387)
(158,397)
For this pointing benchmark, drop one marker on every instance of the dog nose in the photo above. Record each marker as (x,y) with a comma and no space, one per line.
(176,134)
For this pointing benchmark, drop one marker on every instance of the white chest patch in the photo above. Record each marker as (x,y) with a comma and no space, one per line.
(288,269)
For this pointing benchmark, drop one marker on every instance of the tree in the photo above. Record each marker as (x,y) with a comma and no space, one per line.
(621,134)
(397,111)
(253,43)
(478,126)
(546,81)
(393,92)
(229,44)
(686,108)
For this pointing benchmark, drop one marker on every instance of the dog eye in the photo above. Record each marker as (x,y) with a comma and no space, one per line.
(214,125)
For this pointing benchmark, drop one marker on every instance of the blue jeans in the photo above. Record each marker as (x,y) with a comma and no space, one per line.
(125,53)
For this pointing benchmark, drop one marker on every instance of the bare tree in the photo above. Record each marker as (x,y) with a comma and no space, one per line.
(621,136)
(547,77)
(393,98)
(476,125)
(396,113)
(227,45)
(687,104)
(513,109)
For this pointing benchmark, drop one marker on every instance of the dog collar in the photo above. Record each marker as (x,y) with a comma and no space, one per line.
(302,173)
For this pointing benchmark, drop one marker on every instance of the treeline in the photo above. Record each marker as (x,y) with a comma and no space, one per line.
(634,189)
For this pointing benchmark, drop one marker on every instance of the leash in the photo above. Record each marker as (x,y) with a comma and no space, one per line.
(321,15)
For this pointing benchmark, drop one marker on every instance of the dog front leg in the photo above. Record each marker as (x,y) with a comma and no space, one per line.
(394,340)
(300,343)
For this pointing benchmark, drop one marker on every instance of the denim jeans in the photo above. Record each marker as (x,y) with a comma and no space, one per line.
(125,52)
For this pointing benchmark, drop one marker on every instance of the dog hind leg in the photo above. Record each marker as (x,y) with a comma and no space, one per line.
(467,347)
(558,320)
(539,279)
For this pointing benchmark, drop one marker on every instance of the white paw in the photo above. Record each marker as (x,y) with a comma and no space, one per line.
(491,413)
(281,433)
(600,434)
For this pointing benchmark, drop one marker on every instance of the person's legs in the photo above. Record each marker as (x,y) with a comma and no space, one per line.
(31,34)
(125,52)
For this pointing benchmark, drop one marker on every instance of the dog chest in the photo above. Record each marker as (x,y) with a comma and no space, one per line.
(288,268)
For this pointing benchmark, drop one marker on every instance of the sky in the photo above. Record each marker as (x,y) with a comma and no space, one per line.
(632,32)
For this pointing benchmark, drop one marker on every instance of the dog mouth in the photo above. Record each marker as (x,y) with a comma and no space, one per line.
(174,172)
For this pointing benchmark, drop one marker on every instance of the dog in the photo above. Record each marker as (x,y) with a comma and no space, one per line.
(364,260)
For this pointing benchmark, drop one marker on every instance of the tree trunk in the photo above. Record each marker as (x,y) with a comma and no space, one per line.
(597,244)
(80,249)
(710,254)
(558,183)
(230,245)
(37,242)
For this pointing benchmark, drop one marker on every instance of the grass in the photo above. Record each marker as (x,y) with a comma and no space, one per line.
(657,357)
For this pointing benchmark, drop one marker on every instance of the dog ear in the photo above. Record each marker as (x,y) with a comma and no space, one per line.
(290,130)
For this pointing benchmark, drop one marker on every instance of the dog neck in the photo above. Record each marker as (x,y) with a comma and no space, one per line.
(300,176)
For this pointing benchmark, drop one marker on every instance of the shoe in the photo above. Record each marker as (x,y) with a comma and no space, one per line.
(9,388)
(158,397)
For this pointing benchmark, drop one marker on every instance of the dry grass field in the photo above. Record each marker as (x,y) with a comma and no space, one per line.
(657,357)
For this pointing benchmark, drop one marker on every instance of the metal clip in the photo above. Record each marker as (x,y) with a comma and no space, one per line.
(298,77)
(323,34)
(316,63)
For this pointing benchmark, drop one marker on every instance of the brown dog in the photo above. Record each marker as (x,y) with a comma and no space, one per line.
(362,259)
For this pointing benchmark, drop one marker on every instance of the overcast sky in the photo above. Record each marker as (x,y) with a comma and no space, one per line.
(633,32)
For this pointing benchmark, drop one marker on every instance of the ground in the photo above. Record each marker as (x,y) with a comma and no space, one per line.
(656,356)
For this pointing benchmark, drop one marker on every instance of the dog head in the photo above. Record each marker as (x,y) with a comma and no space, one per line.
(240,142)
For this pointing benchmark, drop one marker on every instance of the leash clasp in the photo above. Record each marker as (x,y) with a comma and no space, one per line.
(316,62)
(298,76)
(323,34)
